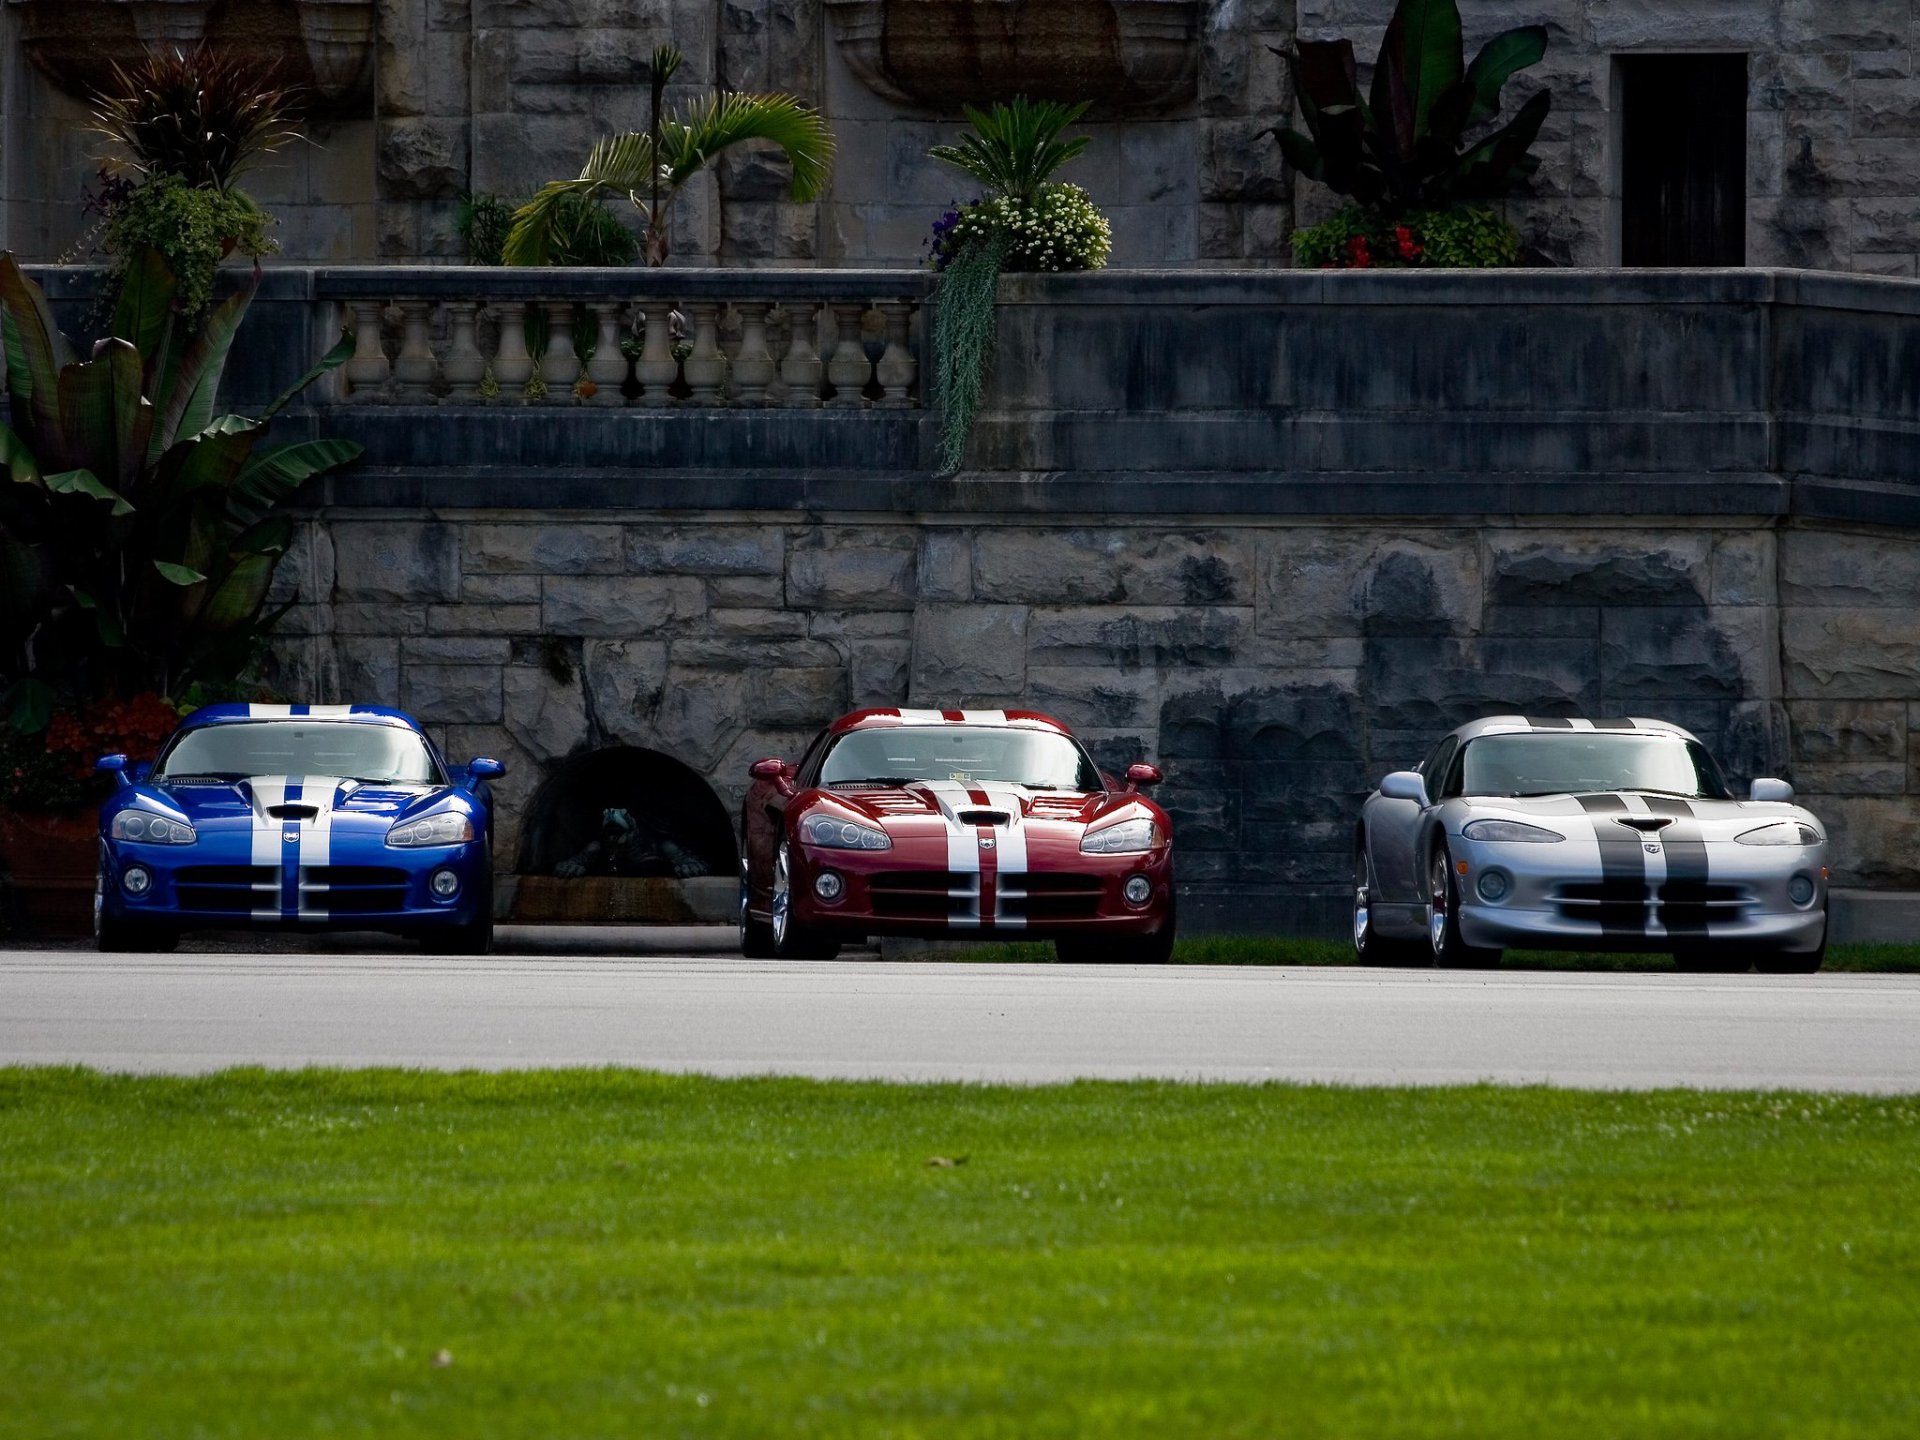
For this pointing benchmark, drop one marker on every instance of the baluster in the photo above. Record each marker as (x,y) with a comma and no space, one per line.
(848,368)
(464,365)
(706,367)
(800,369)
(560,367)
(754,370)
(414,367)
(608,368)
(898,368)
(513,365)
(779,327)
(367,371)
(657,367)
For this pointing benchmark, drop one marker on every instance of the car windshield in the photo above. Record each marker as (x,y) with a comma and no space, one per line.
(1579,762)
(350,750)
(1036,759)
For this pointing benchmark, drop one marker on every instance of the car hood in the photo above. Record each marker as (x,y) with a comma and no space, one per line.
(1707,820)
(261,800)
(954,803)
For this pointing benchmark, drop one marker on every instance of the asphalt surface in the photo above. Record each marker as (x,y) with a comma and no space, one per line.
(722,1015)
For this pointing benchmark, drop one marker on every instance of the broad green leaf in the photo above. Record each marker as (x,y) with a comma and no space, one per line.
(215,458)
(26,584)
(235,603)
(141,314)
(1486,169)
(272,536)
(105,623)
(332,360)
(191,396)
(178,574)
(18,457)
(1420,60)
(1499,60)
(85,482)
(29,705)
(274,476)
(104,419)
(36,346)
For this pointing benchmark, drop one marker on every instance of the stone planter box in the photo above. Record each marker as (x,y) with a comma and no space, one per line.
(53,857)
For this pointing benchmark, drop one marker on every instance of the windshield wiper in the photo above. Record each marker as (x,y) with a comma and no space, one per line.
(878,780)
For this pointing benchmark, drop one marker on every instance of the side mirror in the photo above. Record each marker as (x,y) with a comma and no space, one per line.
(1770,790)
(114,765)
(776,772)
(485,769)
(1138,775)
(1405,785)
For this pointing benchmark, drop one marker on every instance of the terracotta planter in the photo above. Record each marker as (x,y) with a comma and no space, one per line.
(53,857)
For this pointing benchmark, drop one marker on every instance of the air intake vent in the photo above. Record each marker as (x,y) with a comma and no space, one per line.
(293,812)
(982,817)
(1645,824)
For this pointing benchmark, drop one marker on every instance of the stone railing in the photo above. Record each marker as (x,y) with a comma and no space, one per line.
(607,338)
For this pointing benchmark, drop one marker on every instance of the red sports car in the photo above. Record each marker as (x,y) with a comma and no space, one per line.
(952,823)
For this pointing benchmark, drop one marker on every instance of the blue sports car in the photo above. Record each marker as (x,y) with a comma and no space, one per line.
(340,817)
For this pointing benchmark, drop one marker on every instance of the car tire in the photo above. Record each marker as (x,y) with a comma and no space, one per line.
(756,936)
(1369,946)
(473,938)
(1449,951)
(792,940)
(1078,950)
(1794,962)
(132,937)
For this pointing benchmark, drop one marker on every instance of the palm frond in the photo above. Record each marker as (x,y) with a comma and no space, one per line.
(693,137)
(1015,148)
(619,162)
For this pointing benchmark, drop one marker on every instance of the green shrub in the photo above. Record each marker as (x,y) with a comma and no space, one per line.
(1360,238)
(1059,229)
(194,228)
(584,231)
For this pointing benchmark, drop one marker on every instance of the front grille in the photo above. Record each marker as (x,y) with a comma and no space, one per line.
(230,889)
(1052,896)
(1678,905)
(353,889)
(920,894)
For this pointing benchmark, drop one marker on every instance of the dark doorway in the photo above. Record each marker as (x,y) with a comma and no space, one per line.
(1683,159)
(630,813)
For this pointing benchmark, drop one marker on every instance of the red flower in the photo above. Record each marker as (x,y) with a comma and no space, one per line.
(1409,248)
(1358,256)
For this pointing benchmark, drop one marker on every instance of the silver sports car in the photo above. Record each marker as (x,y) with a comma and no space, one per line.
(1587,835)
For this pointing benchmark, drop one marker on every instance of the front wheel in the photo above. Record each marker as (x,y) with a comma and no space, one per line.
(131,937)
(756,937)
(791,939)
(1722,959)
(475,937)
(1450,952)
(1369,946)
(1795,962)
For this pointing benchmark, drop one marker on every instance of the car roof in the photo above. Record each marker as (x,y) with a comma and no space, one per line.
(998,719)
(348,714)
(1528,724)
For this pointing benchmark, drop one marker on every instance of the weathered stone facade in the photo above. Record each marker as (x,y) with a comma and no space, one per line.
(1275,670)
(499,95)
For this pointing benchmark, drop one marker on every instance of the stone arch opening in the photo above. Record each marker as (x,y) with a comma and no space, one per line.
(629,813)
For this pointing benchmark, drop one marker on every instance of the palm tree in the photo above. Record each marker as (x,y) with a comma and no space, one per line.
(1015,148)
(652,167)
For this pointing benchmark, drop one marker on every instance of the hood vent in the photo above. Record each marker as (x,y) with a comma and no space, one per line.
(981,817)
(293,812)
(1645,824)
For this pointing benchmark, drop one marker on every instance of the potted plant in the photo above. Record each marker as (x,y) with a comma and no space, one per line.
(1026,220)
(1414,154)
(139,532)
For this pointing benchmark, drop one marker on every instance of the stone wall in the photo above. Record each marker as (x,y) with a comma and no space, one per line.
(1275,670)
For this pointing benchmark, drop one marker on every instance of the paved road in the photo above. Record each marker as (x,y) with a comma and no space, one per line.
(723,1015)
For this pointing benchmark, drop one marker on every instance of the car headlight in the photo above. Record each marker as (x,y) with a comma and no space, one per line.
(1510,830)
(832,834)
(1781,832)
(151,829)
(447,828)
(1129,837)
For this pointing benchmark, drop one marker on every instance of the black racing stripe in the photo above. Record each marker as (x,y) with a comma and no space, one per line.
(1682,910)
(1614,725)
(1623,868)
(1548,724)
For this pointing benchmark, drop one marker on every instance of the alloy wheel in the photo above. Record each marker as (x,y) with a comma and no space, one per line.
(782,896)
(1439,902)
(1362,900)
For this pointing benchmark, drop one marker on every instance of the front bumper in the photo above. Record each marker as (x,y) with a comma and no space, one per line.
(213,886)
(884,893)
(1745,897)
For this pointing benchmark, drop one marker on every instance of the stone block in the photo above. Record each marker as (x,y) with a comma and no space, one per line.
(796,695)
(1085,697)
(1126,639)
(1848,732)
(1843,25)
(368,670)
(756,624)
(1157,165)
(860,625)
(1653,655)
(750,591)
(879,672)
(1610,567)
(1836,567)
(422,158)
(484,619)
(857,569)
(623,681)
(1873,840)
(1296,795)
(397,561)
(1658,25)
(1239,161)
(1744,566)
(1046,566)
(1884,108)
(546,715)
(629,606)
(1820,80)
(452,694)
(1193,568)
(1308,579)
(1539,622)
(456,650)
(500,589)
(1851,653)
(371,619)
(703,653)
(700,713)
(964,650)
(1422,587)
(944,568)
(1432,685)
(705,550)
(544,549)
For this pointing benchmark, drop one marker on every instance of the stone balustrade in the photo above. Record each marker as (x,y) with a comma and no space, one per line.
(698,339)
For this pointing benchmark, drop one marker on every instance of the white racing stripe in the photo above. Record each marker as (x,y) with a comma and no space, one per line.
(1012,841)
(269,712)
(316,836)
(983,717)
(268,791)
(922,717)
(963,852)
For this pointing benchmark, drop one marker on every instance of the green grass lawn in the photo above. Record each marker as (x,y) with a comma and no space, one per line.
(608,1253)
(1269,950)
